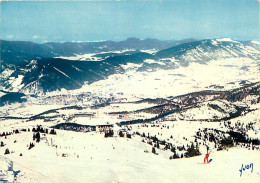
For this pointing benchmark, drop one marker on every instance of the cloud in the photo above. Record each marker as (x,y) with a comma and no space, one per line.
(36,37)
(10,36)
(39,37)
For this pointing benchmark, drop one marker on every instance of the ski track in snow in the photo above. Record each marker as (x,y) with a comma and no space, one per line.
(61,72)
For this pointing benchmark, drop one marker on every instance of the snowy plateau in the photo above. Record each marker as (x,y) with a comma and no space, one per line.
(130,111)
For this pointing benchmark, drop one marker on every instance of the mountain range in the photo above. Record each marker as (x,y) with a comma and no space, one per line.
(32,68)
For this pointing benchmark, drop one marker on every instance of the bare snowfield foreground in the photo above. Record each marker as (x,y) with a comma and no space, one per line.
(135,166)
(90,157)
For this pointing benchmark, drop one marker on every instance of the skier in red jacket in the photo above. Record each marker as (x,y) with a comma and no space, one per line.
(207,156)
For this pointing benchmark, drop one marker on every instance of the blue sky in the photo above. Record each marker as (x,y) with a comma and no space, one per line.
(112,20)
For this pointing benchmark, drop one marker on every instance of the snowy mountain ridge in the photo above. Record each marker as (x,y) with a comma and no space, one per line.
(35,76)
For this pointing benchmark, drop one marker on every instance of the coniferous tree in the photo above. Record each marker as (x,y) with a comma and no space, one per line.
(53,132)
(192,151)
(157,145)
(110,133)
(38,136)
(7,151)
(31,145)
(121,134)
(173,149)
(176,156)
(153,150)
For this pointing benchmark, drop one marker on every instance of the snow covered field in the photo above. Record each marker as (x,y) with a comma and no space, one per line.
(225,74)
(89,157)
(92,158)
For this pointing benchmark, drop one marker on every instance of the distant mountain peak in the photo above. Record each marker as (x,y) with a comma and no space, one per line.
(226,40)
(255,42)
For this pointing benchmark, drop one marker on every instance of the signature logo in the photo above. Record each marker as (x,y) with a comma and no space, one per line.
(246,167)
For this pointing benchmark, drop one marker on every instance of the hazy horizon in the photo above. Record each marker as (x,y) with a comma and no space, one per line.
(86,41)
(88,21)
